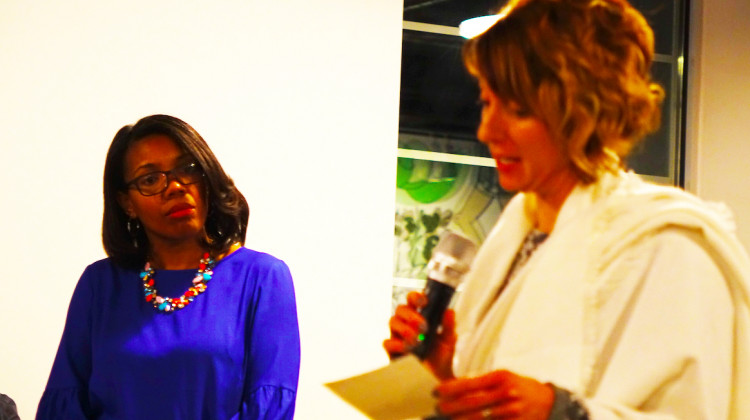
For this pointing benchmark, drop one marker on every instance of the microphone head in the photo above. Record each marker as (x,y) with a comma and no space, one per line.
(451,258)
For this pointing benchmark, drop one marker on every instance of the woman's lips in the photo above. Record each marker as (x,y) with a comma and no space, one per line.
(506,163)
(180,210)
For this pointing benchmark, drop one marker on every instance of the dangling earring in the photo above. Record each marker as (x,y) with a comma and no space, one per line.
(134,225)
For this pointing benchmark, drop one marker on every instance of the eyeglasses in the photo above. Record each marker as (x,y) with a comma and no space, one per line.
(156,182)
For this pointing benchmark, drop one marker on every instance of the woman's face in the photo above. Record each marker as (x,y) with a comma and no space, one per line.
(522,146)
(176,214)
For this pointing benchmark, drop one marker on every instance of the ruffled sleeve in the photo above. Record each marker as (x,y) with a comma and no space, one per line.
(64,403)
(274,350)
(269,403)
(66,394)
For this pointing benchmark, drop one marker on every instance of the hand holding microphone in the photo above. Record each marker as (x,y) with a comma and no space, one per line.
(415,327)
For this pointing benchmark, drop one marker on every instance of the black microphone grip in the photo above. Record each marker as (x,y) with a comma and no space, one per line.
(450,260)
(439,296)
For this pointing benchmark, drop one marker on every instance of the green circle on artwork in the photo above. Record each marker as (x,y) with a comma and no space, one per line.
(426,181)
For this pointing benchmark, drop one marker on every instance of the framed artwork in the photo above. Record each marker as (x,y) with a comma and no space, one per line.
(440,184)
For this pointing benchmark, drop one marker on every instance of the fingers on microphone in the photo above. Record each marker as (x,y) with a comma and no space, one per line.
(394,347)
(407,325)
(416,299)
(411,318)
(447,332)
(449,321)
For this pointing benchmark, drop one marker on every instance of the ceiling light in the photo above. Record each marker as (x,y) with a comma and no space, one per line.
(475,26)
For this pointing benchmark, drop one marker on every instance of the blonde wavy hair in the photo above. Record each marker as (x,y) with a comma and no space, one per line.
(581,66)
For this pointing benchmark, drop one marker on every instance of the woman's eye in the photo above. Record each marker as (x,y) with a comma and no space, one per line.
(148,180)
(519,111)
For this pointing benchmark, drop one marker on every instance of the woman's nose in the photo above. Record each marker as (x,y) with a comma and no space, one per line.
(174,186)
(488,128)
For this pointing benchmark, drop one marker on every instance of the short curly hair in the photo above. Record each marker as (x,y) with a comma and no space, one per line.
(583,67)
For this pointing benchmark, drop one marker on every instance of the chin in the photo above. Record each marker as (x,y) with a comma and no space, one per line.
(189,233)
(510,186)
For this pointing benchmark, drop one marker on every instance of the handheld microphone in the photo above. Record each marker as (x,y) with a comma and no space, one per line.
(450,260)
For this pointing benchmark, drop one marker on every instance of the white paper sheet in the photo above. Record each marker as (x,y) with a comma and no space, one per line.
(401,390)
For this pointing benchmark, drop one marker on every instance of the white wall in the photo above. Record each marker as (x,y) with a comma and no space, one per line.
(299,100)
(718,130)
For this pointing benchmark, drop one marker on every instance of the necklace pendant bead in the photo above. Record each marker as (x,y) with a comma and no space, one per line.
(167,304)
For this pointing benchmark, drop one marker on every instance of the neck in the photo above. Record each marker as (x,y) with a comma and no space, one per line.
(175,256)
(548,205)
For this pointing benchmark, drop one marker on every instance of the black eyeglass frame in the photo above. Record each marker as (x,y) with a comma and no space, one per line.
(168,175)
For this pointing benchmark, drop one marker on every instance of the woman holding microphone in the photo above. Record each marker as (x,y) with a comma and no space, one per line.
(597,295)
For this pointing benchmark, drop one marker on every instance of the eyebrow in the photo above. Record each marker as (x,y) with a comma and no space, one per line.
(152,167)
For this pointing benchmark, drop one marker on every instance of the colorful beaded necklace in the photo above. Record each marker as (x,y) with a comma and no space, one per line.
(167,304)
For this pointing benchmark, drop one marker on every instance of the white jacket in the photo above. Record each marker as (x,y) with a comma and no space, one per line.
(637,302)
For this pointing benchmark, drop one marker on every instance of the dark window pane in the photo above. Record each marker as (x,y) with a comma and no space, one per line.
(448,12)
(438,96)
(652,157)
(660,15)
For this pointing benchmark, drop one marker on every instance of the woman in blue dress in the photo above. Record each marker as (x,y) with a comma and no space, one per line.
(181,321)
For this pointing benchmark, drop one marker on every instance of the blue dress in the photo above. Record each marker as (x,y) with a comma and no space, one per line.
(233,353)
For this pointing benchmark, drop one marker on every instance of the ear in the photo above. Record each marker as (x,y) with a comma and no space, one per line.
(127,205)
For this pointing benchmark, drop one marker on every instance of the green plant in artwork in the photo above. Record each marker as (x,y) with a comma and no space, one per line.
(417,233)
